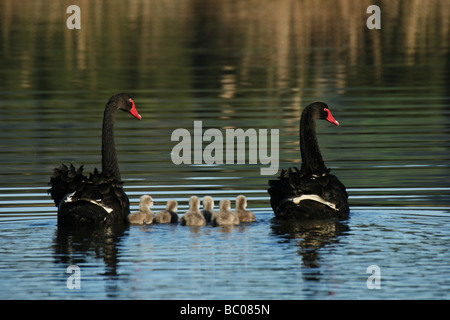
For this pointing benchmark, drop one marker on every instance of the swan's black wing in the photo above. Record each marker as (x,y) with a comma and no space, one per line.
(96,199)
(65,180)
(292,184)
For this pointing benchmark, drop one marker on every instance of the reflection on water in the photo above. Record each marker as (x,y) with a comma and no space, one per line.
(230,64)
(71,245)
(310,237)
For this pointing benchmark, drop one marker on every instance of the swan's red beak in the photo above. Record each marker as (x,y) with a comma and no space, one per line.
(330,117)
(134,111)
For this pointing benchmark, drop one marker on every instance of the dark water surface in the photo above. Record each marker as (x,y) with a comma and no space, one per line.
(230,65)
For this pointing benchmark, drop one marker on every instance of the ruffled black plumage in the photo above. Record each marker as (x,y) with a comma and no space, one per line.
(292,184)
(97,199)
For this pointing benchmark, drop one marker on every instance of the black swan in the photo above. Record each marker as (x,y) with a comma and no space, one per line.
(99,198)
(193,217)
(311,192)
(169,215)
(243,214)
(225,217)
(145,214)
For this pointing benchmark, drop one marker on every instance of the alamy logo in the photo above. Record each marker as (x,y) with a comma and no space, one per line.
(374,21)
(74,20)
(374,280)
(74,280)
(190,149)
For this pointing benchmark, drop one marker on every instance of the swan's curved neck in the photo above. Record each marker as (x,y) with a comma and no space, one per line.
(110,165)
(312,161)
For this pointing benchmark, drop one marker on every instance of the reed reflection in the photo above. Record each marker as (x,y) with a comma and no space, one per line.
(284,43)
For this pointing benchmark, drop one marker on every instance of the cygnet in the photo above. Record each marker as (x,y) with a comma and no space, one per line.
(169,215)
(225,217)
(241,211)
(193,217)
(144,215)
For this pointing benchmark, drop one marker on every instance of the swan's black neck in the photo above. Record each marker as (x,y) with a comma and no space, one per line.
(312,161)
(110,166)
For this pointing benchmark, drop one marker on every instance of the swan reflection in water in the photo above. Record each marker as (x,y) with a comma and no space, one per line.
(310,236)
(74,246)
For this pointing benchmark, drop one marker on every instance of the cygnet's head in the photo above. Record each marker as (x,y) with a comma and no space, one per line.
(172,205)
(241,202)
(225,204)
(146,201)
(194,203)
(208,203)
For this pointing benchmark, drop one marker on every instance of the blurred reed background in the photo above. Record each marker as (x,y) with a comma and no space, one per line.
(159,33)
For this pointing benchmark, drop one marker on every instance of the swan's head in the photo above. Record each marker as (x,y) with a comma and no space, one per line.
(321,111)
(208,203)
(125,102)
(225,204)
(241,202)
(194,202)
